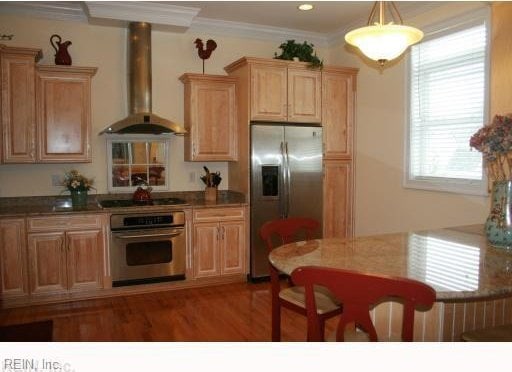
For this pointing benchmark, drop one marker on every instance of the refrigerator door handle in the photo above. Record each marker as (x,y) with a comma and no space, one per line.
(282,205)
(288,186)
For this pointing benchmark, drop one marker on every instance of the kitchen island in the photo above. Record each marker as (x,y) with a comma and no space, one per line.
(472,280)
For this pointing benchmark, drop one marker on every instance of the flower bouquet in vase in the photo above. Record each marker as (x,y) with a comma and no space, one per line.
(78,186)
(494,141)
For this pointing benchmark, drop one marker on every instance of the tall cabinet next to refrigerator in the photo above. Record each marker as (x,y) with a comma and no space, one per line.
(286,180)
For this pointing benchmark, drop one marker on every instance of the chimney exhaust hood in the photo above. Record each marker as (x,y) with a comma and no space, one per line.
(141,119)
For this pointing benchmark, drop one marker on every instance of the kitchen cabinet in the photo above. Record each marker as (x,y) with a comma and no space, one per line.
(281,90)
(338,105)
(66,254)
(13,258)
(338,199)
(63,96)
(219,242)
(338,117)
(18,105)
(210,118)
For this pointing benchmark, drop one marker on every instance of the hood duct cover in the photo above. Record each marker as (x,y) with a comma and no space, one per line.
(141,120)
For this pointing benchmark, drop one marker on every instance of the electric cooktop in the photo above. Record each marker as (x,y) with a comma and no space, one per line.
(123,203)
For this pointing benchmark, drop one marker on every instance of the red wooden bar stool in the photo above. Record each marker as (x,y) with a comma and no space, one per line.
(358,293)
(289,230)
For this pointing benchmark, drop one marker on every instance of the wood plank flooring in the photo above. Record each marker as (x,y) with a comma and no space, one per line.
(231,312)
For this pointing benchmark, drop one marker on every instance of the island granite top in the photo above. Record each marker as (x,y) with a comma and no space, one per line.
(457,262)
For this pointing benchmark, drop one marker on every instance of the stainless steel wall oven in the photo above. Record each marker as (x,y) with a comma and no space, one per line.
(147,247)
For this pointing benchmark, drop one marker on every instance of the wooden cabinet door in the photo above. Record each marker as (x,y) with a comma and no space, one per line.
(304,96)
(206,250)
(338,199)
(13,258)
(210,118)
(47,262)
(84,259)
(18,104)
(232,241)
(64,114)
(338,114)
(268,98)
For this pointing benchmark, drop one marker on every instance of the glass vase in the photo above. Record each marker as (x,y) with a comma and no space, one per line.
(498,226)
(79,199)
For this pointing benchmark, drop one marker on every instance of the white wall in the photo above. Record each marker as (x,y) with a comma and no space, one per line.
(105,47)
(382,203)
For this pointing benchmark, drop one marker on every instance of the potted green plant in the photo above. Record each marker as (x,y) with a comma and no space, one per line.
(303,52)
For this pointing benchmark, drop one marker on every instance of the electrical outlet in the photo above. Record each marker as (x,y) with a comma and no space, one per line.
(192,177)
(56,181)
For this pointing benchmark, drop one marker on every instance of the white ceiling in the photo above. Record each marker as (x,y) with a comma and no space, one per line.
(327,16)
(328,21)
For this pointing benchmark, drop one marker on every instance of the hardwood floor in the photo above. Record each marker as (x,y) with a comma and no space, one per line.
(232,312)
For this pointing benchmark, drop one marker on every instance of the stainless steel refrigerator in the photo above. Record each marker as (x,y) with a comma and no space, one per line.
(286,180)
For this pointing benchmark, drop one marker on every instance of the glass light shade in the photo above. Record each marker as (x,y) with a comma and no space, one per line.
(383,42)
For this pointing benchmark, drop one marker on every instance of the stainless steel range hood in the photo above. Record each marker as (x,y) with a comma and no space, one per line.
(141,119)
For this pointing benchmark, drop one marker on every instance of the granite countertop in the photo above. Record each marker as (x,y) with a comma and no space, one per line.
(457,262)
(58,205)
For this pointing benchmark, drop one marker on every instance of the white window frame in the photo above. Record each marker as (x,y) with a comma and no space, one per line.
(127,138)
(461,186)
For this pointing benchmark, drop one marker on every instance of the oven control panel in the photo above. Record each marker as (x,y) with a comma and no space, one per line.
(146,220)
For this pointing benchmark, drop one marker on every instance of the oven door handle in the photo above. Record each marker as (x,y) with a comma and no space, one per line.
(170,235)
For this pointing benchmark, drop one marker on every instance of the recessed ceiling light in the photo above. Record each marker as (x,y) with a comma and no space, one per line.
(305,7)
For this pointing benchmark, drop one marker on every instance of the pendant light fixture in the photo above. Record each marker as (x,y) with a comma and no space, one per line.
(380,41)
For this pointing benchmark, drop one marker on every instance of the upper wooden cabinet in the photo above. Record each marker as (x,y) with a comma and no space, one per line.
(269,93)
(338,103)
(18,121)
(210,118)
(46,110)
(64,113)
(280,90)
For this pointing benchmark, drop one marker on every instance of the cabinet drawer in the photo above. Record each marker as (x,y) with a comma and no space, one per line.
(218,214)
(89,221)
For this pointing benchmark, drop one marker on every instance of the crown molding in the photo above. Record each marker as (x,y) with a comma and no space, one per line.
(59,10)
(141,11)
(253,31)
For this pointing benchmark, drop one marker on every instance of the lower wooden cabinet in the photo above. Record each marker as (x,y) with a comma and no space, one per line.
(219,242)
(13,258)
(338,199)
(69,258)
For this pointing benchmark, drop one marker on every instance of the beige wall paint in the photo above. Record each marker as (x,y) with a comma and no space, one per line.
(382,203)
(105,47)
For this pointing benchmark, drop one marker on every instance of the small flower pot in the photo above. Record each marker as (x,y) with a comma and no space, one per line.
(210,194)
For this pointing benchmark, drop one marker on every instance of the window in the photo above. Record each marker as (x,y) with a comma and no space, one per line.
(448,103)
(136,161)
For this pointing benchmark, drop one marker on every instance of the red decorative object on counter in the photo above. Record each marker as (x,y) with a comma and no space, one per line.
(142,195)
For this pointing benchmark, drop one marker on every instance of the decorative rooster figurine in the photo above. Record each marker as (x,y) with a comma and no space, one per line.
(211,45)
